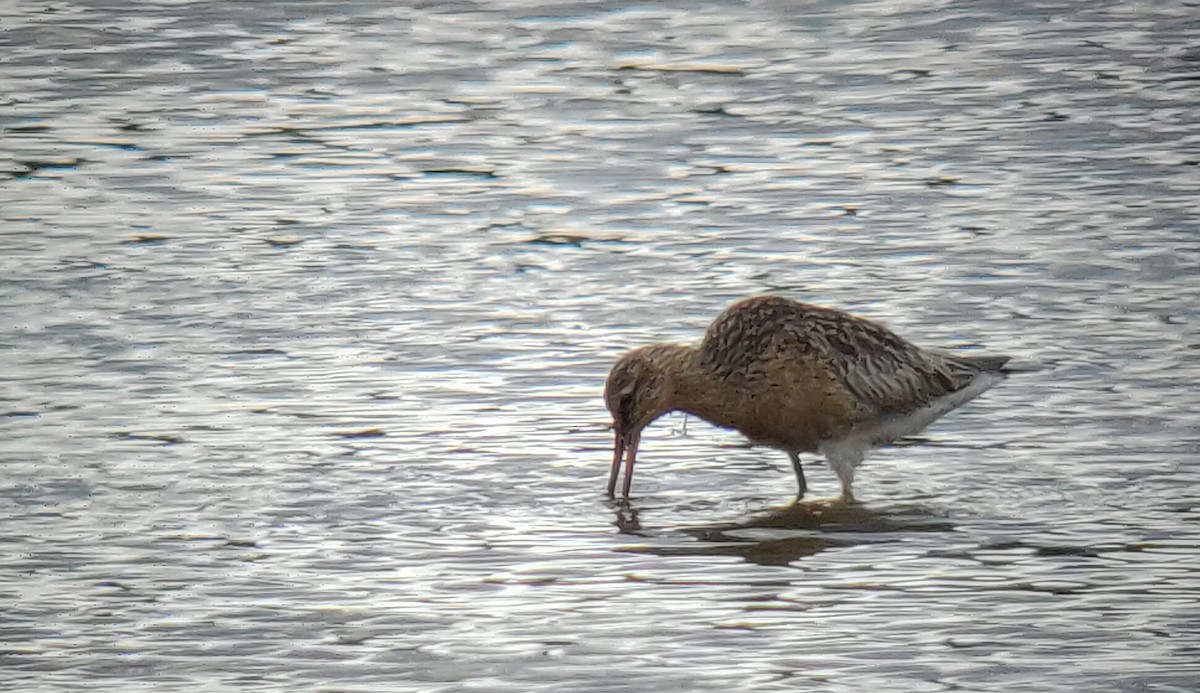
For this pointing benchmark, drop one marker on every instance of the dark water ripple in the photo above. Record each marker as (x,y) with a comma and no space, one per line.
(307,307)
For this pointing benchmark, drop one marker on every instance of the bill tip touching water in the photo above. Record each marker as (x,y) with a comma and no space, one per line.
(793,376)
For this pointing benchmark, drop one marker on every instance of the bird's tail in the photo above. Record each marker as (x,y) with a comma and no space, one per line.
(1000,364)
(988,363)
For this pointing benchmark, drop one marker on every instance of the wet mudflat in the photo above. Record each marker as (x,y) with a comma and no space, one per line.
(307,308)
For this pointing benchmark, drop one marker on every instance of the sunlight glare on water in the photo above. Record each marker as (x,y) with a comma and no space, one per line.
(308,307)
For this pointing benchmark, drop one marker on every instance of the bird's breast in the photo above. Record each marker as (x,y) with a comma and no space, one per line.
(791,415)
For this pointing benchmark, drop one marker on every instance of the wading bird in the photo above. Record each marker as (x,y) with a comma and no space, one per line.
(797,377)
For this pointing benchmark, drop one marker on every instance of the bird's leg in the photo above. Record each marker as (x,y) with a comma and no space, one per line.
(844,466)
(802,485)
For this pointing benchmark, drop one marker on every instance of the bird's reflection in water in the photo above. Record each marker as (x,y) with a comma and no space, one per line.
(783,535)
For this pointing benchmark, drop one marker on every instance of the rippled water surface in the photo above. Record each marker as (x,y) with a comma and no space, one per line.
(306,309)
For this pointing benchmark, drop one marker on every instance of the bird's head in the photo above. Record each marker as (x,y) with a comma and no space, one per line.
(638,391)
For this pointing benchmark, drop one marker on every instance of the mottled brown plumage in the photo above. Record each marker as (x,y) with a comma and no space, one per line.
(793,376)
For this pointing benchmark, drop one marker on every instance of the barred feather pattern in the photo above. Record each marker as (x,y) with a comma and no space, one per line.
(885,373)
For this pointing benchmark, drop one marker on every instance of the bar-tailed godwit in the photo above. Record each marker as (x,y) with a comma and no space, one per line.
(797,377)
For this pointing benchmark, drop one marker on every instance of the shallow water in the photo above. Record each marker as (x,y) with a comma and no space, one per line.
(308,306)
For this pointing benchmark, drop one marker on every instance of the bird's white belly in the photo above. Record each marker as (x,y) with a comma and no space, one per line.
(849,449)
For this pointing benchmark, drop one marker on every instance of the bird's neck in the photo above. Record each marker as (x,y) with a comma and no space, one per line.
(691,387)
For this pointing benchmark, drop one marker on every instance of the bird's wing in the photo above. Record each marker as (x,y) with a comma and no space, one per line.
(884,373)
